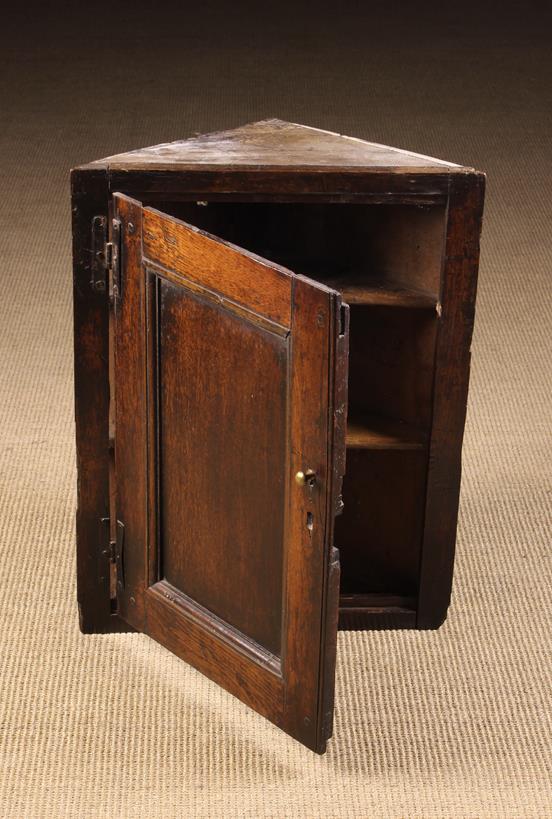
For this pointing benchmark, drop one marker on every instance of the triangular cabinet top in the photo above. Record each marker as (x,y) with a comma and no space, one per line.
(273,144)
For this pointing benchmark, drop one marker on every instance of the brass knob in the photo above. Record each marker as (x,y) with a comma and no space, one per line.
(307,478)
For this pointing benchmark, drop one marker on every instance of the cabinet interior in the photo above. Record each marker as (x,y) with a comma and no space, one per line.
(386,260)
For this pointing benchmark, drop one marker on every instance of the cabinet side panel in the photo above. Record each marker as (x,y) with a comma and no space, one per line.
(91,341)
(452,366)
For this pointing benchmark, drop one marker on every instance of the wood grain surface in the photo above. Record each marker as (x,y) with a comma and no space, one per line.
(275,143)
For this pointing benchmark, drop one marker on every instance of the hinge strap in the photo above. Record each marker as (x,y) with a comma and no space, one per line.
(119,554)
(113,551)
(99,263)
(115,258)
(106,256)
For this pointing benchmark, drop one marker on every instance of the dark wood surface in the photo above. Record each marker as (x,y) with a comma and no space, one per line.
(366,618)
(243,578)
(391,364)
(129,390)
(452,367)
(379,534)
(316,445)
(91,354)
(285,185)
(222,429)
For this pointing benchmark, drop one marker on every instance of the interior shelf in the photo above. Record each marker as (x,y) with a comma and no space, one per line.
(382,292)
(377,602)
(375,432)
(358,612)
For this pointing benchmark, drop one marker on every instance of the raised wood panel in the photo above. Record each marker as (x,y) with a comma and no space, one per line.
(223,385)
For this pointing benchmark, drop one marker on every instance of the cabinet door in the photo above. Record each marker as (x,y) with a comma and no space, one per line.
(228,390)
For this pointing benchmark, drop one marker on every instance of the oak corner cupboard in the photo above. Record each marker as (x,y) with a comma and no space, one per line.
(272,349)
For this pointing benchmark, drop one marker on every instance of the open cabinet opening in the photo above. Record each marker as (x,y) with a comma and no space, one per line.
(386,261)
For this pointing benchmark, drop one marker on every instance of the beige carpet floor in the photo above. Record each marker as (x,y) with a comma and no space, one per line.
(445,724)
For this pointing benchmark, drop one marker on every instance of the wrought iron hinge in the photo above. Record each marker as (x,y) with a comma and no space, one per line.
(99,265)
(114,550)
(106,256)
(115,258)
